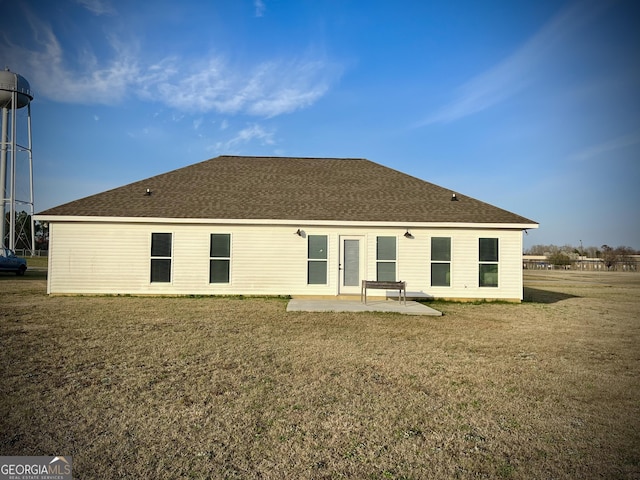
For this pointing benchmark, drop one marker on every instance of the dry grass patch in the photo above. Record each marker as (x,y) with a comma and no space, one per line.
(230,388)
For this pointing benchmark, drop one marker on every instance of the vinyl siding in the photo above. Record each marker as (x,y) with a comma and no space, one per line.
(114,258)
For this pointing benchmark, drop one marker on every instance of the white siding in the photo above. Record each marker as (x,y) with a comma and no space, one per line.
(114,258)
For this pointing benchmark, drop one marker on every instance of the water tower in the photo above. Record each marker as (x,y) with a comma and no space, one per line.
(16,186)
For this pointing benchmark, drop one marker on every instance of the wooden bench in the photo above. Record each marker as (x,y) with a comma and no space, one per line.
(400,286)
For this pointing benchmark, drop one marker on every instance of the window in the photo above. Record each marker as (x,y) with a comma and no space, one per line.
(386,259)
(488,256)
(160,257)
(440,262)
(317,260)
(219,258)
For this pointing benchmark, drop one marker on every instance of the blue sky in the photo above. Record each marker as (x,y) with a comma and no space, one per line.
(533,106)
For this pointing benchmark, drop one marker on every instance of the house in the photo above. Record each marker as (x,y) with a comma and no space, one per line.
(284,226)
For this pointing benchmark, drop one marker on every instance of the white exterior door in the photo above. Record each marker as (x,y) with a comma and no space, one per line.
(351,264)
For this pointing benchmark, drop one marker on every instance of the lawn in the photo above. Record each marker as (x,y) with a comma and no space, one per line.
(170,388)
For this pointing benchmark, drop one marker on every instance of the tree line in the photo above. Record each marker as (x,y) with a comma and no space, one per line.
(568,254)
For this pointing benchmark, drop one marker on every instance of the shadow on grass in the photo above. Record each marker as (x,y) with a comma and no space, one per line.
(535,295)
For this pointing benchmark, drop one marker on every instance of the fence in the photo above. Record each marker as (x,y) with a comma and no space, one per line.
(588,264)
(24,252)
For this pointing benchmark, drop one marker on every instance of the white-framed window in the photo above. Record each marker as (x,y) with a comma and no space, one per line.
(386,256)
(317,259)
(488,262)
(161,244)
(220,258)
(440,261)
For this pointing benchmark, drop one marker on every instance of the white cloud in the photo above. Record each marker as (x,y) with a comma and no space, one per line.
(251,133)
(267,89)
(516,72)
(90,82)
(270,89)
(105,85)
(609,146)
(97,7)
(260,7)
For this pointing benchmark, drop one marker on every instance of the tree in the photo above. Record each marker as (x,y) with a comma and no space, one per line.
(536,250)
(559,259)
(593,252)
(41,230)
(608,256)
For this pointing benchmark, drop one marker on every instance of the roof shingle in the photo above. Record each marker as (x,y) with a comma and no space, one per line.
(231,187)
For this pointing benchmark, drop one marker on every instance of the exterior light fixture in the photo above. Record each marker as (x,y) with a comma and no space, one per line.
(407,234)
(298,232)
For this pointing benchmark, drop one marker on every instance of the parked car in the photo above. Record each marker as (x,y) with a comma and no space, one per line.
(10,263)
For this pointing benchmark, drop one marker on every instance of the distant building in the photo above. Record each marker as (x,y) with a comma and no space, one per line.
(631,263)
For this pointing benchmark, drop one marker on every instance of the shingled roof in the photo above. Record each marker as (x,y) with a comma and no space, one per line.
(279,188)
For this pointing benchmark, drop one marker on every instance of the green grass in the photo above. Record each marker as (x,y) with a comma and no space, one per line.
(237,388)
(40,262)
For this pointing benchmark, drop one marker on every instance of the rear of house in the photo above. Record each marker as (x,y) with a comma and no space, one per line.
(284,226)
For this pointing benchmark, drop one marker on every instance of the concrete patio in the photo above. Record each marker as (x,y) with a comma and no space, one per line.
(324,305)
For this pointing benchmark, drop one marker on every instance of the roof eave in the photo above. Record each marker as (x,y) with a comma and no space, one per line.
(266,221)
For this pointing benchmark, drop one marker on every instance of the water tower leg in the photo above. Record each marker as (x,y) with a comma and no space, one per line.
(12,180)
(3,174)
(31,199)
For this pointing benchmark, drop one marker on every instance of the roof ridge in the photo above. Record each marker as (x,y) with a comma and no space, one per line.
(291,157)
